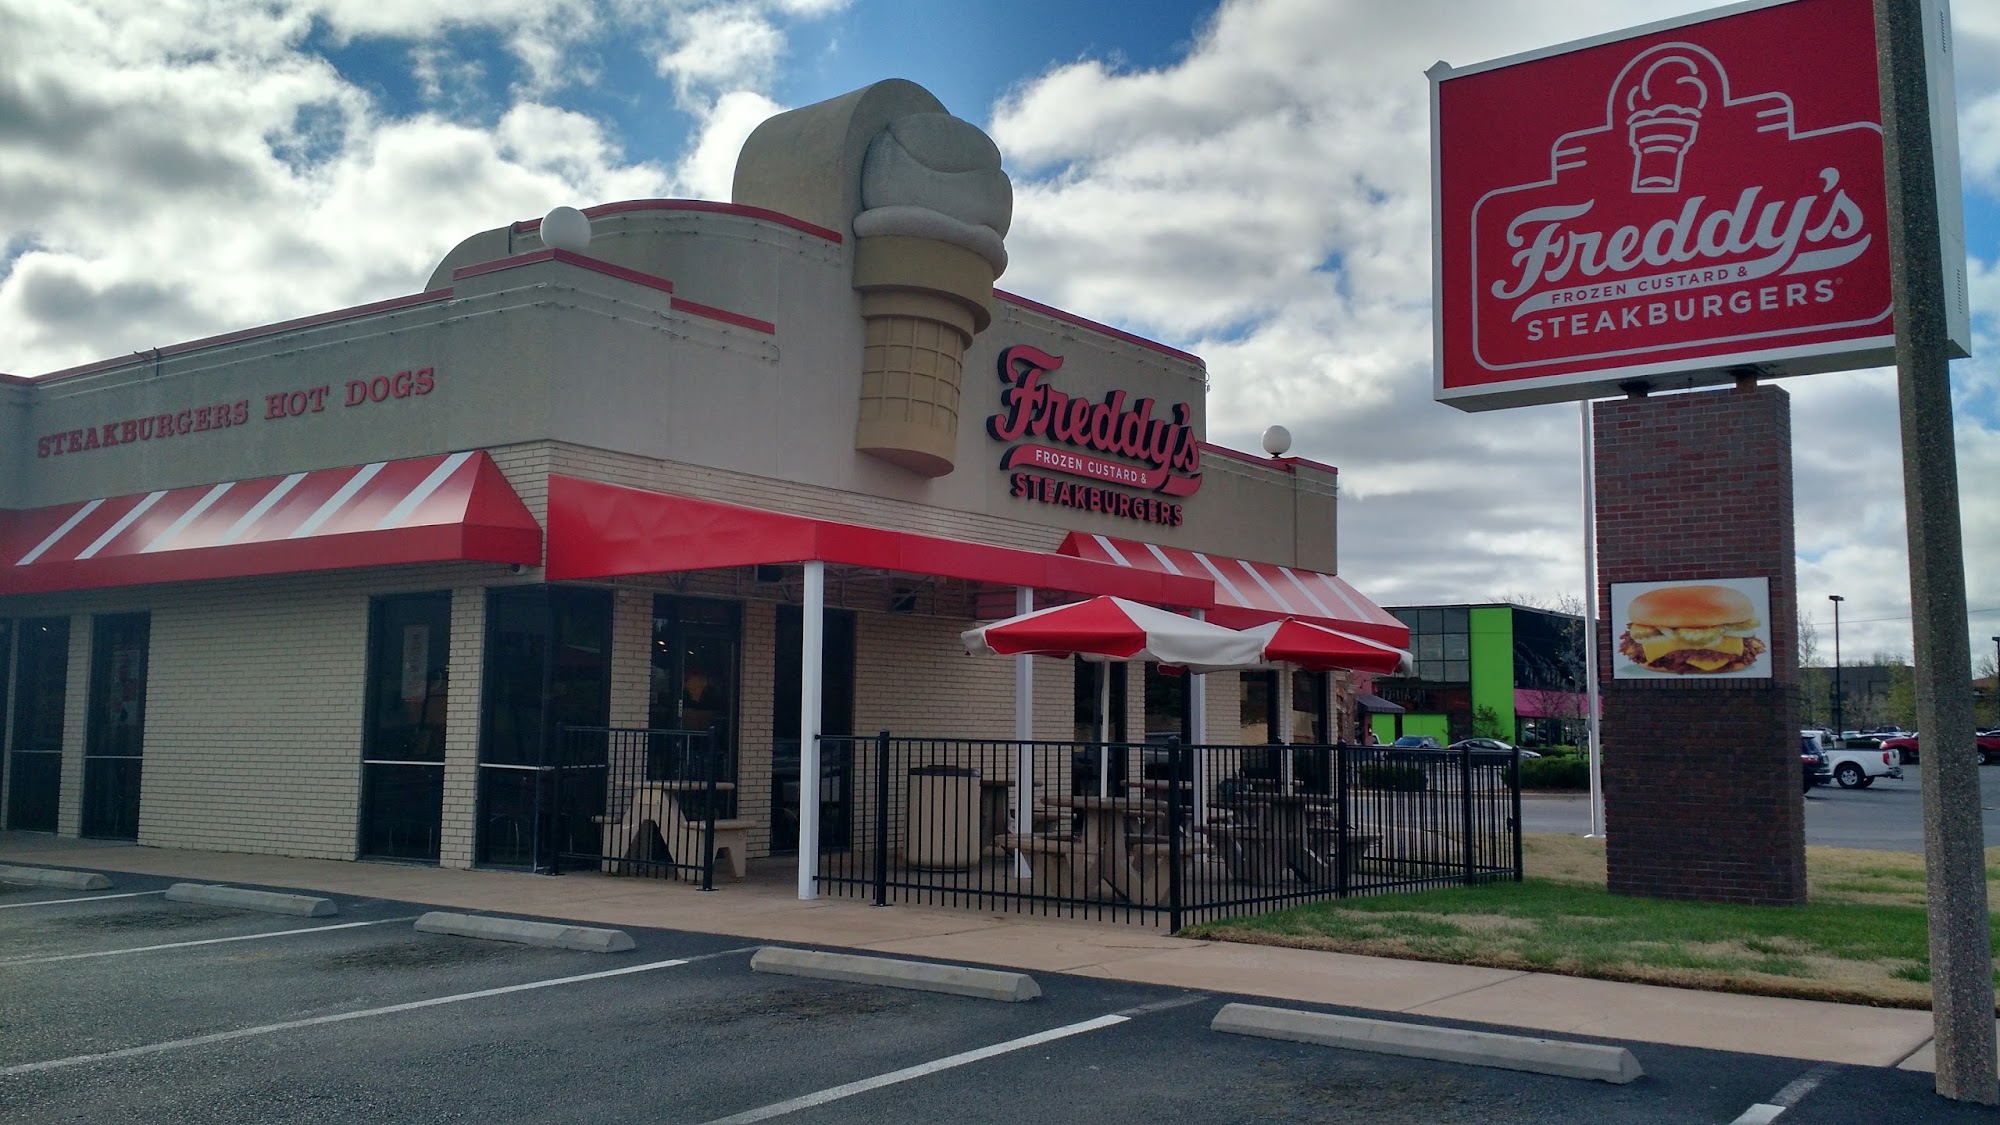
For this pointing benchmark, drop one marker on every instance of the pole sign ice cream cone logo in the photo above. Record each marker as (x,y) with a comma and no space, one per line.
(1665,210)
(1119,440)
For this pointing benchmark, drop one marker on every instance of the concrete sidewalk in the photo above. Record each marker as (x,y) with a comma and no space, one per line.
(767,909)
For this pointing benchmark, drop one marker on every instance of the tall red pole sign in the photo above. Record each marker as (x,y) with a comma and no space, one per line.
(1670,206)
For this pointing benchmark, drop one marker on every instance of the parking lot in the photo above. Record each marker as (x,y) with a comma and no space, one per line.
(121,1005)
(1887,815)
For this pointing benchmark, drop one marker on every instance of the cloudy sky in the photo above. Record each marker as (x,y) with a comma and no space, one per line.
(1249,181)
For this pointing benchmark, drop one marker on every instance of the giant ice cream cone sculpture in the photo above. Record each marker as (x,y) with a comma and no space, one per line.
(928,247)
(928,204)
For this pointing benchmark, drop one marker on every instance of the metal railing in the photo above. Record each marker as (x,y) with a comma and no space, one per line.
(640,802)
(1166,832)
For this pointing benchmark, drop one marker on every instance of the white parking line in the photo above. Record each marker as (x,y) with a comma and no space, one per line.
(835,1093)
(342,1017)
(204,941)
(89,898)
(1763,1113)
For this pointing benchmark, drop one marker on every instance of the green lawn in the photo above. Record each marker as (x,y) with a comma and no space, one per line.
(1862,937)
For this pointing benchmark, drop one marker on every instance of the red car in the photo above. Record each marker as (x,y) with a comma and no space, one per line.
(1988,743)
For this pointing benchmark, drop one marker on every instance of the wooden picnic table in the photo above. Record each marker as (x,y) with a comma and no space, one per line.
(1106,860)
(1274,837)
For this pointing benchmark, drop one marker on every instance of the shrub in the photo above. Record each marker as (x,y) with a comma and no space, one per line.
(1397,776)
(1555,773)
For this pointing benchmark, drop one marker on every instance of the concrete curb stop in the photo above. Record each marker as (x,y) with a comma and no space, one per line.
(243,898)
(958,980)
(54,877)
(549,935)
(1420,1041)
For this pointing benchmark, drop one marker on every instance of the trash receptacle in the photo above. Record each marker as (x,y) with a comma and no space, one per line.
(944,817)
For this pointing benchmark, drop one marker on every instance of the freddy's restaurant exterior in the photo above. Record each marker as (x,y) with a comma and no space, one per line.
(327,588)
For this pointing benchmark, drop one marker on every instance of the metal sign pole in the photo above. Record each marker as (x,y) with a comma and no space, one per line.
(1590,625)
(1961,956)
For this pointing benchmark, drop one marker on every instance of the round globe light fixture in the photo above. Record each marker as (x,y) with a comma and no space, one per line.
(566,228)
(1277,441)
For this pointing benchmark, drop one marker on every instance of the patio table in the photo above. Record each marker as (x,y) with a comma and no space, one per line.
(1106,822)
(1278,836)
(658,802)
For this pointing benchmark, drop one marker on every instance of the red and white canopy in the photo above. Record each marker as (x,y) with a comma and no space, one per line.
(1317,648)
(1113,629)
(1252,593)
(446,507)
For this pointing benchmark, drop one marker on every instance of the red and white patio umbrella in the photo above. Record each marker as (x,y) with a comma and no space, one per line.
(1113,629)
(1317,648)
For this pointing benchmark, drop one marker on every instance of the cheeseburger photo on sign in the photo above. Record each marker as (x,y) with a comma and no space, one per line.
(1693,629)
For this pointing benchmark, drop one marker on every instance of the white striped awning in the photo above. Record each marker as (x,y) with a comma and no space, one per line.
(446,507)
(1251,593)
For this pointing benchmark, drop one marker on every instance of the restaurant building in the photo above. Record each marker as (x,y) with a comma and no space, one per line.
(329,587)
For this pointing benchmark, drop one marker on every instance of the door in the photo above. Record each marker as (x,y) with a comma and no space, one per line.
(115,736)
(696,648)
(41,682)
(402,744)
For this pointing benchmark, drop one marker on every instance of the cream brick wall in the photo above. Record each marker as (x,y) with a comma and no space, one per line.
(254,704)
(466,672)
(76,715)
(756,700)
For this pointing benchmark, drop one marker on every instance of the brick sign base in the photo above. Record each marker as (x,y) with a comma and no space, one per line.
(1701,777)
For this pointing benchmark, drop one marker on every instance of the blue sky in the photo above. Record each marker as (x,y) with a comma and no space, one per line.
(1248,181)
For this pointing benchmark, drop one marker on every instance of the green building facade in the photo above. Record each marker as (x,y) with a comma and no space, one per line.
(1496,670)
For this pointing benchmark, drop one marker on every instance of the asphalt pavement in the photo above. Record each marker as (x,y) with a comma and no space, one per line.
(1888,815)
(127,1007)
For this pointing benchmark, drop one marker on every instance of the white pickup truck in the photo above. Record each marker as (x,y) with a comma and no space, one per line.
(1856,768)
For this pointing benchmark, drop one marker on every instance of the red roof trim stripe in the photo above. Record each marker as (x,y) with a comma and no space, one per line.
(442,508)
(1095,326)
(581,261)
(695,308)
(709,205)
(390,305)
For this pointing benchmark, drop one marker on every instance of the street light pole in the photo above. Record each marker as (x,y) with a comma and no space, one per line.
(1836,599)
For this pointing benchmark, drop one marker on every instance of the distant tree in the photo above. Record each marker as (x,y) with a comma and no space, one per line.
(1486,723)
(1986,705)
(1815,685)
(1902,703)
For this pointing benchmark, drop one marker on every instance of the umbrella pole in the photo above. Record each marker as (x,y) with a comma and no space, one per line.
(1104,730)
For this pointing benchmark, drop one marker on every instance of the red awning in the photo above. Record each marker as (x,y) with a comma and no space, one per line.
(602,530)
(1249,593)
(446,508)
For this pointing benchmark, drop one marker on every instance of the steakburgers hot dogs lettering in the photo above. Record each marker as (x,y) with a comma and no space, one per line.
(1692,630)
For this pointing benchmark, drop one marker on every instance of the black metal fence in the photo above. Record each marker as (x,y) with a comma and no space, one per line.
(1164,832)
(644,802)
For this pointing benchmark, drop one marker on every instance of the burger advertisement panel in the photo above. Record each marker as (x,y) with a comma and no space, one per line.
(1669,207)
(1712,629)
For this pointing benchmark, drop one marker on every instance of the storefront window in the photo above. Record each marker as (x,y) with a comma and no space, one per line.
(40,683)
(1166,704)
(1089,699)
(114,735)
(1257,710)
(836,717)
(1309,707)
(547,664)
(402,749)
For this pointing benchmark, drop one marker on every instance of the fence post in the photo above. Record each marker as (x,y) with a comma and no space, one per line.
(1514,781)
(882,818)
(1465,807)
(1344,843)
(555,796)
(710,809)
(1177,771)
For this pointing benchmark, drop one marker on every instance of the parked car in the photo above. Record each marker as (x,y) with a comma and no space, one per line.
(1416,742)
(1855,767)
(1489,746)
(1812,762)
(1988,745)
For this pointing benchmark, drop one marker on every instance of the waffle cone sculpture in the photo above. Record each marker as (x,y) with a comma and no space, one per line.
(927,251)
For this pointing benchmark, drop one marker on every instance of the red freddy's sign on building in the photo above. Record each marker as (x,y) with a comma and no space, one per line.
(1668,207)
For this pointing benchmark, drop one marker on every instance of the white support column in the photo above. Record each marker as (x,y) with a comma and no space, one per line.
(1024,732)
(811,641)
